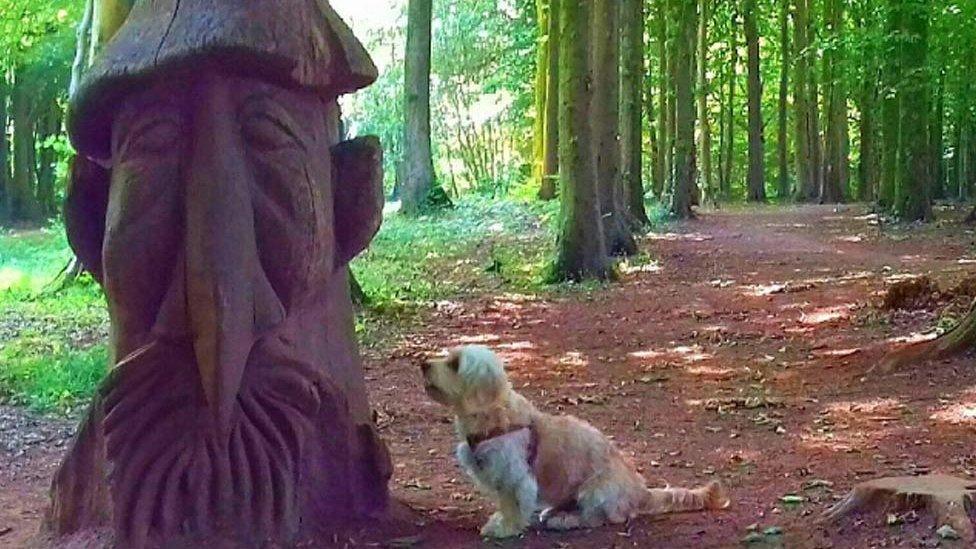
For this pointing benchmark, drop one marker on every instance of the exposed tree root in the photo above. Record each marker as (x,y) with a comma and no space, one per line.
(959,340)
(947,498)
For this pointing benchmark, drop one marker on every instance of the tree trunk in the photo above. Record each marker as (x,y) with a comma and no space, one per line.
(606,121)
(418,186)
(806,188)
(937,139)
(726,184)
(541,70)
(24,205)
(663,165)
(6,183)
(891,106)
(550,146)
(913,201)
(960,339)
(581,252)
(782,141)
(684,143)
(835,180)
(704,87)
(631,78)
(756,182)
(49,125)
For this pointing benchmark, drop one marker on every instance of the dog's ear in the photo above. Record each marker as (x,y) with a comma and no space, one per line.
(483,377)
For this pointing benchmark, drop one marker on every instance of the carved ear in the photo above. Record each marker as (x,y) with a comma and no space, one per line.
(358,188)
(85,204)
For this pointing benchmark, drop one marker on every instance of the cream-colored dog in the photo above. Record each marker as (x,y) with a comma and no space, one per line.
(526,460)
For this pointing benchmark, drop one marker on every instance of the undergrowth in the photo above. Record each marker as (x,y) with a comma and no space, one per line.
(53,348)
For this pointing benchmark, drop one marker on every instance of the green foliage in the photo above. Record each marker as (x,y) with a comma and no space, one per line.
(479,244)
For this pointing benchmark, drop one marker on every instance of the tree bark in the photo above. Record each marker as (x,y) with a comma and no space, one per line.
(541,70)
(663,164)
(726,183)
(24,206)
(835,182)
(631,77)
(684,144)
(419,191)
(704,88)
(891,106)
(606,118)
(756,182)
(49,126)
(581,249)
(782,141)
(550,146)
(937,139)
(6,183)
(913,200)
(806,189)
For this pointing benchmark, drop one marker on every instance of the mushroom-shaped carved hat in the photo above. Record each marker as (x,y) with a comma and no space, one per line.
(299,43)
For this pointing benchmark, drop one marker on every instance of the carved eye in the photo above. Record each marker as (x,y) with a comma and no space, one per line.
(454,362)
(267,133)
(158,136)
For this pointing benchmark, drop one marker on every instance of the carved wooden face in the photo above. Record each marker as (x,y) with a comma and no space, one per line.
(229,208)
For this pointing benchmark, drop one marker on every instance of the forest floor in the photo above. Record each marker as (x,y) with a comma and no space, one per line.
(741,354)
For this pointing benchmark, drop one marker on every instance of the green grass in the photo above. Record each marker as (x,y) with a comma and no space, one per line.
(52,344)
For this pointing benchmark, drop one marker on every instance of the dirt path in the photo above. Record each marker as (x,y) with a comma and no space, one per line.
(740,356)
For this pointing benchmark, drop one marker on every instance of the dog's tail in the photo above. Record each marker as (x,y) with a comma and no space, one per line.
(679,500)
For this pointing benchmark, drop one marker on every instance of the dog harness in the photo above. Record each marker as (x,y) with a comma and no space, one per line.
(476,440)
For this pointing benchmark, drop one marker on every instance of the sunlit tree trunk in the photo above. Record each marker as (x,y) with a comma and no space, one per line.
(782,134)
(725,187)
(541,69)
(704,89)
(631,77)
(891,106)
(835,181)
(581,249)
(684,144)
(550,146)
(663,171)
(756,181)
(419,191)
(606,120)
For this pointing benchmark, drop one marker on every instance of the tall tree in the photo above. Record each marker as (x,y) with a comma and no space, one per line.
(550,136)
(631,93)
(782,134)
(419,190)
(23,203)
(541,69)
(6,187)
(606,121)
(664,115)
(704,89)
(725,184)
(756,181)
(581,249)
(891,105)
(684,143)
(913,193)
(867,102)
(835,181)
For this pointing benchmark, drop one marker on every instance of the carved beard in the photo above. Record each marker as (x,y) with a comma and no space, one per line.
(207,413)
(173,473)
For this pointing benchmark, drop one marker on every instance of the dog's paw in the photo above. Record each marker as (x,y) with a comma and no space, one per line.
(562,521)
(498,527)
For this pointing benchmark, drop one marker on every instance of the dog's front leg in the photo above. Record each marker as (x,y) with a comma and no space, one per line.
(516,505)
